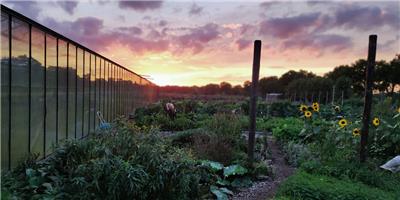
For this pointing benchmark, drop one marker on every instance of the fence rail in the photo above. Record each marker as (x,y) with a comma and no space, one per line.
(52,87)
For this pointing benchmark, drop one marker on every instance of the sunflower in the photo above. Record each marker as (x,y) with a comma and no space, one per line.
(398,110)
(307,114)
(303,108)
(342,123)
(376,122)
(356,132)
(315,107)
(337,108)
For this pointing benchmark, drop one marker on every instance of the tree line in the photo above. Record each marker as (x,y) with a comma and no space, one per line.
(348,79)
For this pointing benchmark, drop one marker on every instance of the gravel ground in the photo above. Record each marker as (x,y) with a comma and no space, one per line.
(266,189)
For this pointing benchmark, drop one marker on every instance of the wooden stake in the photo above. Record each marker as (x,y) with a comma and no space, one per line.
(368,96)
(253,101)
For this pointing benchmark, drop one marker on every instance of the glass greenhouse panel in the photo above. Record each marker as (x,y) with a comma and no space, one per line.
(62,90)
(37,91)
(5,87)
(71,91)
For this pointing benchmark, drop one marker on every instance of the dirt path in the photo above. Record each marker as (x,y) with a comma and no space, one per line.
(266,189)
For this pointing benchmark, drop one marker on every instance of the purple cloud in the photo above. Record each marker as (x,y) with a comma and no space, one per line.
(87,25)
(68,6)
(195,9)
(134,30)
(288,26)
(30,9)
(333,42)
(365,18)
(140,5)
(198,37)
(162,23)
(242,44)
(90,32)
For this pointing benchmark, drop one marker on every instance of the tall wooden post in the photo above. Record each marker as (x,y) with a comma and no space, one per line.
(253,101)
(333,95)
(368,96)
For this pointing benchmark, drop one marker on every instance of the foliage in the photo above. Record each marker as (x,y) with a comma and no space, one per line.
(286,129)
(306,186)
(366,174)
(124,165)
(297,153)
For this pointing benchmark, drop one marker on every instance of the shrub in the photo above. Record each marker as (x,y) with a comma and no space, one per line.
(123,165)
(306,186)
(287,129)
(296,153)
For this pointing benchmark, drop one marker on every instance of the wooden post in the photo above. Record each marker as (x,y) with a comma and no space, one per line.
(333,95)
(253,101)
(368,96)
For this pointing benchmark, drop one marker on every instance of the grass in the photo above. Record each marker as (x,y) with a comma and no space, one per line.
(303,185)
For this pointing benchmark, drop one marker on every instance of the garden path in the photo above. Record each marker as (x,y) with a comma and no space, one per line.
(266,189)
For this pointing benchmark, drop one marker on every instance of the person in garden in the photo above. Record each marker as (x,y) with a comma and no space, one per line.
(170,110)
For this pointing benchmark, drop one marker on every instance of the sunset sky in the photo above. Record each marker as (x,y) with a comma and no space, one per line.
(200,42)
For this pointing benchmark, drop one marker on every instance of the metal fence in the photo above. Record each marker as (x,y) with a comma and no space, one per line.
(52,87)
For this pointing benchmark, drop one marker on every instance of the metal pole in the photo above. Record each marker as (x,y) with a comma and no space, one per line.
(368,96)
(253,100)
(333,94)
(319,96)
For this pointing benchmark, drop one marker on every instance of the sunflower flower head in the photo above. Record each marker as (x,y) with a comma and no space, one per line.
(315,107)
(356,132)
(376,122)
(303,108)
(342,123)
(337,108)
(307,114)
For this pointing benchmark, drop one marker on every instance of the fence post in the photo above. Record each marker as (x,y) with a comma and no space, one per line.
(368,96)
(342,97)
(253,101)
(312,97)
(327,98)
(319,96)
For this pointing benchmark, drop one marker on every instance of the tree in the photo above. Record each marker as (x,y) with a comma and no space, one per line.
(292,75)
(225,88)
(237,90)
(247,87)
(270,85)
(210,89)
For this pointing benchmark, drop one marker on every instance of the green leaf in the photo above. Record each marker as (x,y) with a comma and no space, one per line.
(30,172)
(234,170)
(222,182)
(226,191)
(218,193)
(215,166)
